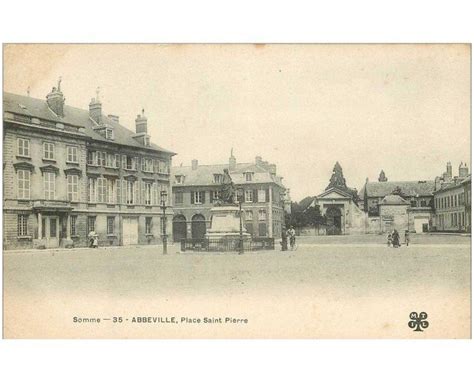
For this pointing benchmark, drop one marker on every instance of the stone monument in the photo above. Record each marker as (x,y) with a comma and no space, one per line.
(226,215)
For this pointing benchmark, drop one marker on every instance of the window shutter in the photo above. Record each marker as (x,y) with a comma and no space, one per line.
(267,195)
(255,196)
(203,197)
(124,191)
(118,189)
(124,161)
(143,193)
(137,192)
(155,194)
(192,197)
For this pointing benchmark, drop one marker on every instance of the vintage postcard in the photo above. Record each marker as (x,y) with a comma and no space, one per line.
(237,191)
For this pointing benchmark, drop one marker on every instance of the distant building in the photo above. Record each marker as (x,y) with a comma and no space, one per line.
(339,204)
(452,200)
(69,171)
(196,190)
(416,195)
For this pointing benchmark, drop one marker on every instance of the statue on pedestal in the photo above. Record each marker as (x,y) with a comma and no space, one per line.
(227,194)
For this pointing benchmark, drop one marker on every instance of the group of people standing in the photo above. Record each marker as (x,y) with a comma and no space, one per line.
(393,238)
(291,234)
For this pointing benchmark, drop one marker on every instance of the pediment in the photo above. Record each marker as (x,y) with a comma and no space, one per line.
(333,193)
(24,165)
(73,171)
(49,168)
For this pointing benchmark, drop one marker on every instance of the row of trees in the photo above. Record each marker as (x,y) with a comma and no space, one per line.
(303,215)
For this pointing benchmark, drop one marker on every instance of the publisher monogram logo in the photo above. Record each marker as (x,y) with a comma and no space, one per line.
(418,321)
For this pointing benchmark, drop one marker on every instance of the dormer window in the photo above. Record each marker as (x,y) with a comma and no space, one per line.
(218,178)
(248,176)
(179,179)
(109,133)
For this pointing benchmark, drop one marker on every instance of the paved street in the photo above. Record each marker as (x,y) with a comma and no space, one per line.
(346,287)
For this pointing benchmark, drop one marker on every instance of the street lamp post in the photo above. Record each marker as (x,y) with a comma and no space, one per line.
(240,198)
(164,236)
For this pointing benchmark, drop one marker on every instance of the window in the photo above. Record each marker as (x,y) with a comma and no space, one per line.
(73,188)
(248,176)
(148,193)
(102,159)
(90,224)
(148,225)
(249,215)
(147,164)
(198,197)
(23,147)
(49,179)
(110,225)
(92,184)
(163,167)
(423,203)
(53,227)
(22,225)
(129,162)
(48,151)
(110,191)
(179,179)
(249,195)
(413,203)
(262,215)
(117,161)
(215,195)
(262,196)
(130,191)
(101,190)
(109,133)
(218,178)
(110,160)
(178,198)
(92,158)
(72,154)
(24,184)
(73,221)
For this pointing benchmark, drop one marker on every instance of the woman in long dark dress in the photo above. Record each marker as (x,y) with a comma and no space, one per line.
(395,239)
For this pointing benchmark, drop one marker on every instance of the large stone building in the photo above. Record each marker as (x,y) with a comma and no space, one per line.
(69,171)
(401,205)
(196,190)
(452,200)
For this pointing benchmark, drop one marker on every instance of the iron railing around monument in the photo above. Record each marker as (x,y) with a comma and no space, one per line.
(226,244)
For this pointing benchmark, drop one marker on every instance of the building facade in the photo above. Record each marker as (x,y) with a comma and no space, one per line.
(452,200)
(69,171)
(415,197)
(196,189)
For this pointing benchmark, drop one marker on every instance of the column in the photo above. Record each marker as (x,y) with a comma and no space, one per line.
(40,226)
(68,227)
(270,212)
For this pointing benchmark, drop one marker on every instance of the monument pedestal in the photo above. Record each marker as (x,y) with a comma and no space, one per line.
(225,228)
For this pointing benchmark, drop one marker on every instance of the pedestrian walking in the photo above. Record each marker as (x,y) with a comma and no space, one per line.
(389,239)
(292,235)
(407,237)
(395,238)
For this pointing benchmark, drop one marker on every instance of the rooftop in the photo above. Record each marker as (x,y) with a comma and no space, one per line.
(408,188)
(38,108)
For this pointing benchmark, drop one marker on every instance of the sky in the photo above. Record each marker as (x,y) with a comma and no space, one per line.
(401,108)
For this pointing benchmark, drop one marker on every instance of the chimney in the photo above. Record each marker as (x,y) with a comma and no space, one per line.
(232,161)
(463,170)
(194,164)
(449,170)
(55,100)
(115,118)
(272,168)
(258,160)
(141,125)
(95,108)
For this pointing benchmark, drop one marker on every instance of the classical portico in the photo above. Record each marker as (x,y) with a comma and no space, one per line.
(54,225)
